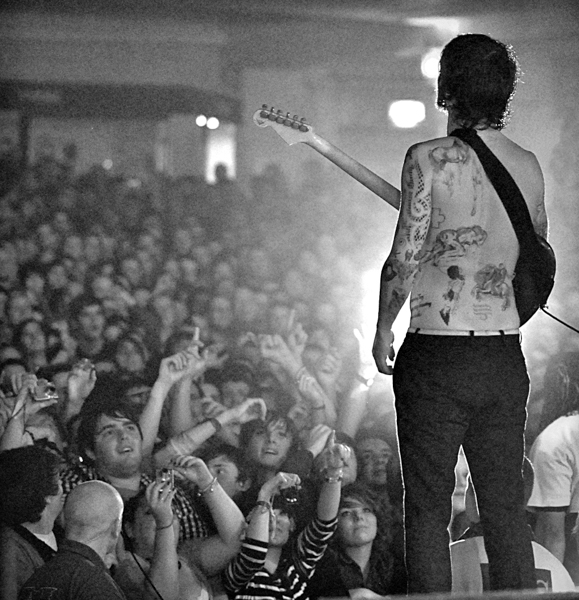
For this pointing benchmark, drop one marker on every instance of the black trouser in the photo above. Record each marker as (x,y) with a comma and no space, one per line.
(453,390)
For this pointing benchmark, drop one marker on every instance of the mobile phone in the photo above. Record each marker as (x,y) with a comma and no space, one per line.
(166,476)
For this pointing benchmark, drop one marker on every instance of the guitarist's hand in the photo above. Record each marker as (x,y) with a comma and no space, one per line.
(383,351)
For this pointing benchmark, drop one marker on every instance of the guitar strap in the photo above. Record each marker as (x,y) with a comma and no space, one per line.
(506,188)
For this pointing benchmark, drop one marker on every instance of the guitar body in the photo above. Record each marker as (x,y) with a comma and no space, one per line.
(534,278)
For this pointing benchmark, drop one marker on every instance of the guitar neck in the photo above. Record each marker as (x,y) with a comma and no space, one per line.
(359,172)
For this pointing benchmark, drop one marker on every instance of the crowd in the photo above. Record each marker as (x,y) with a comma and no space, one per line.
(184,368)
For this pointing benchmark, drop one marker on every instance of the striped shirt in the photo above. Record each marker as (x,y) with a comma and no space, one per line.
(191,525)
(246,578)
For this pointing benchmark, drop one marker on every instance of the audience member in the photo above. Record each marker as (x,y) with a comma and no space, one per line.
(554,501)
(79,570)
(361,561)
(261,564)
(31,499)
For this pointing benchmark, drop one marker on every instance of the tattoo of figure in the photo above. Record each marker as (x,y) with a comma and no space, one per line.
(490,282)
(452,294)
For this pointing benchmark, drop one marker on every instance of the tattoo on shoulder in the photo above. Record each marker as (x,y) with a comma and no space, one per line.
(455,153)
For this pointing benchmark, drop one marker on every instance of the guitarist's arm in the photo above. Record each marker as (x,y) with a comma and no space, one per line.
(401,266)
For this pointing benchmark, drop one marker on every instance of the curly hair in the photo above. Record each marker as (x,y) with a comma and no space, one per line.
(477,80)
(28,475)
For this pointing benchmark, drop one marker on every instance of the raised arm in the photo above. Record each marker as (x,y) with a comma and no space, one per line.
(172,369)
(164,572)
(15,433)
(189,441)
(212,554)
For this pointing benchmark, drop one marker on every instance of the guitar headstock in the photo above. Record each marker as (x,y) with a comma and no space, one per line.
(291,129)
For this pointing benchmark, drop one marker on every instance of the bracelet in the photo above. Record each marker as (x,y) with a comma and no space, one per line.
(215,424)
(323,407)
(167,526)
(209,488)
(265,504)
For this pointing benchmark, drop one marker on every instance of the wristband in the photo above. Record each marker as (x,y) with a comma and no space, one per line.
(215,424)
(166,526)
(323,407)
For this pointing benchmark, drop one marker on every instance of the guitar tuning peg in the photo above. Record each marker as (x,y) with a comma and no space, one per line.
(264,106)
(296,118)
(272,116)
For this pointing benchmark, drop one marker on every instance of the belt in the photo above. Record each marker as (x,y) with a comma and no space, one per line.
(471,332)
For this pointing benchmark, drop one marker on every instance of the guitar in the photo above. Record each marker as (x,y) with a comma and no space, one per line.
(294,130)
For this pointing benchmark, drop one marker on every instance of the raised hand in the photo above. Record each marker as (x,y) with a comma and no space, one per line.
(273,347)
(250,409)
(81,380)
(334,456)
(185,363)
(280,481)
(26,405)
(159,496)
(193,469)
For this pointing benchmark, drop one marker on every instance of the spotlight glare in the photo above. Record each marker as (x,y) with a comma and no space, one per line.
(429,63)
(201,121)
(212,123)
(407,113)
(107,164)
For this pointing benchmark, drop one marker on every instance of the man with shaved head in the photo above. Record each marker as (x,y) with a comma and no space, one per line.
(92,513)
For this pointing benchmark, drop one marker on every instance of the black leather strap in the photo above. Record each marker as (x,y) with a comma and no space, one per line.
(504,184)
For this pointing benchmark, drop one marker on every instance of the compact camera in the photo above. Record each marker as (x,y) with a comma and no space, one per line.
(290,495)
(166,476)
(44,390)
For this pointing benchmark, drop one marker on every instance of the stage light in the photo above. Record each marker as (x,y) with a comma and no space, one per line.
(212,123)
(407,113)
(107,164)
(201,121)
(429,63)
